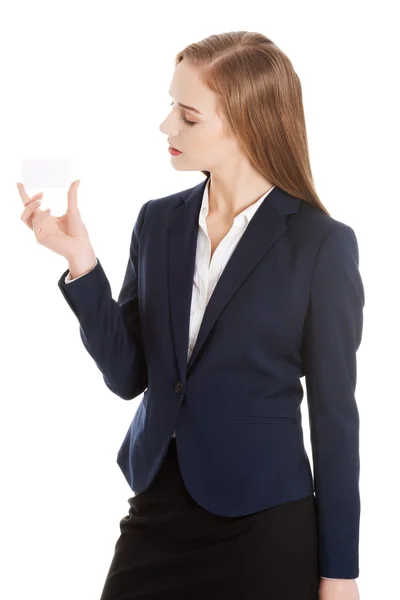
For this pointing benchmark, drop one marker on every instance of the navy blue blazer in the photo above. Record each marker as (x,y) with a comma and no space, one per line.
(288,304)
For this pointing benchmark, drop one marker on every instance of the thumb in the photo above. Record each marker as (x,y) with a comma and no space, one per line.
(73,196)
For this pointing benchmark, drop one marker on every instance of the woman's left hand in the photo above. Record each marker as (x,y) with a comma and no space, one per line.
(338,589)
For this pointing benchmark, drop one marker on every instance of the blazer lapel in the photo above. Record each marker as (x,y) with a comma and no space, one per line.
(266,226)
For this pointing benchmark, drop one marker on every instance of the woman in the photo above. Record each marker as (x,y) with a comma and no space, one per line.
(234,290)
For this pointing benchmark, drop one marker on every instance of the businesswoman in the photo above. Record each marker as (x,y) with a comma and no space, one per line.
(234,290)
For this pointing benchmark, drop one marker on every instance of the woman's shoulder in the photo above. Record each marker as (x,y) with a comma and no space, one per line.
(314,222)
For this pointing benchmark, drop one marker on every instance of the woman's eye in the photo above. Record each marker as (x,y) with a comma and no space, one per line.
(190,123)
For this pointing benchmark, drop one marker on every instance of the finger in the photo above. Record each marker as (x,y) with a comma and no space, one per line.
(24,196)
(37,221)
(35,197)
(73,196)
(29,210)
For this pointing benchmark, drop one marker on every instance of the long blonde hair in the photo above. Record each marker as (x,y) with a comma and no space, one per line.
(259,98)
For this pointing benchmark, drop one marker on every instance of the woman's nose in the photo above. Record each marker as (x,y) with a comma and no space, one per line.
(168,130)
(170,126)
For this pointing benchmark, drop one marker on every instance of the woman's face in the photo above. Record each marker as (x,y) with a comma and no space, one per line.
(201,139)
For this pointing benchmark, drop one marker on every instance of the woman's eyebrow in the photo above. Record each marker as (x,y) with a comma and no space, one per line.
(187,107)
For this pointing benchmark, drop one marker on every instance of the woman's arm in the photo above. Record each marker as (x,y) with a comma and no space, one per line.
(109,329)
(332,335)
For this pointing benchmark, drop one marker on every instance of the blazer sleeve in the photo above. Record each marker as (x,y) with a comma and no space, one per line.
(68,278)
(109,329)
(333,331)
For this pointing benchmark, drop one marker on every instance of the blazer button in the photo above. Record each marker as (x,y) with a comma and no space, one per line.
(178,387)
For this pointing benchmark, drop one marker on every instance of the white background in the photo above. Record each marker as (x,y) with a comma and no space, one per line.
(89,81)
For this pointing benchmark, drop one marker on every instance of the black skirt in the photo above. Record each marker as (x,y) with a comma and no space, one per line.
(172,548)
